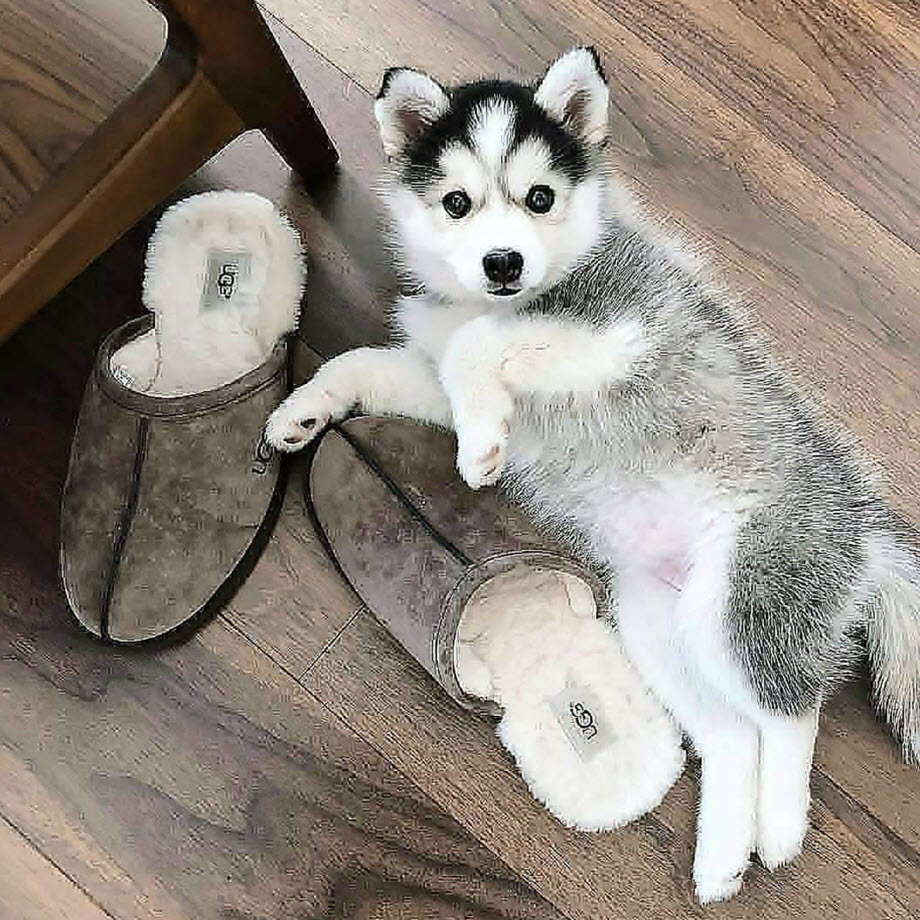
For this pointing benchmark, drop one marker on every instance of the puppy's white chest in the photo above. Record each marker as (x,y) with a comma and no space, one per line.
(429,324)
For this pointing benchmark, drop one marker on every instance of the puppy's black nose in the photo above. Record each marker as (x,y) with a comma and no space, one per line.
(503,265)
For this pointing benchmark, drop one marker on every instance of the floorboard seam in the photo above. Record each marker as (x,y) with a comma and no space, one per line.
(268,15)
(233,627)
(329,645)
(899,845)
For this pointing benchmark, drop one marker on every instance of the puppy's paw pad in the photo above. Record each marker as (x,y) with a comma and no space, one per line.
(292,426)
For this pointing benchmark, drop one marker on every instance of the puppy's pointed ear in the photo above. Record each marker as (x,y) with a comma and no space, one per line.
(574,91)
(409,101)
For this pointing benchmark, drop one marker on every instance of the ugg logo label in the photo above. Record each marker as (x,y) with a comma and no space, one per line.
(263,458)
(584,719)
(580,714)
(226,279)
(226,273)
(123,377)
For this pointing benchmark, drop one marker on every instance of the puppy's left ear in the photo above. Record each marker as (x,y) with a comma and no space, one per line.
(574,91)
(408,103)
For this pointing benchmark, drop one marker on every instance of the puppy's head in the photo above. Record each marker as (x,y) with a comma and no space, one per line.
(495,189)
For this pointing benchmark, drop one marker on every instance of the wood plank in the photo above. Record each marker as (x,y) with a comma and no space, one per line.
(371,898)
(203,783)
(32,888)
(858,753)
(851,867)
(835,83)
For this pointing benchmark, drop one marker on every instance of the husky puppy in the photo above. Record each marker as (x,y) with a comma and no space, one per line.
(580,354)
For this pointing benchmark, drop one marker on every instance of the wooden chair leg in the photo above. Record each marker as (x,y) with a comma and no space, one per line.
(241,57)
(221,73)
(301,140)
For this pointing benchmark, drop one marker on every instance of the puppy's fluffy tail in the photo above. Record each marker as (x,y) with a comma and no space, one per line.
(893,630)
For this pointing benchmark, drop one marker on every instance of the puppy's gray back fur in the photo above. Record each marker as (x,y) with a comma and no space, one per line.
(708,399)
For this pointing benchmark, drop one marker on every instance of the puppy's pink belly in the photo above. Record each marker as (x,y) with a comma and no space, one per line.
(657,549)
(671,570)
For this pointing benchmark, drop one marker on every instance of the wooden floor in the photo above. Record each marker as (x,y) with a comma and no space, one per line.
(290,761)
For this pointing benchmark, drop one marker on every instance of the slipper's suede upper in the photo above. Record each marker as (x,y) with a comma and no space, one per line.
(163,496)
(414,541)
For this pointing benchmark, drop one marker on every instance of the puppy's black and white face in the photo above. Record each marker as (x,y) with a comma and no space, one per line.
(495,189)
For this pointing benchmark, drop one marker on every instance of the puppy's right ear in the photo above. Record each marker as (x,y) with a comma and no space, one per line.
(574,90)
(409,101)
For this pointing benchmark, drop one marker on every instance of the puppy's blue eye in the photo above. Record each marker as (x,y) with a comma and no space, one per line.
(540,199)
(457,204)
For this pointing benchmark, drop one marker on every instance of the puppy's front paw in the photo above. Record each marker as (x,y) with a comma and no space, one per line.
(481,453)
(301,417)
(482,420)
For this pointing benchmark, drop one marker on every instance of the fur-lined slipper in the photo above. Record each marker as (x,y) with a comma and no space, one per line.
(506,621)
(171,491)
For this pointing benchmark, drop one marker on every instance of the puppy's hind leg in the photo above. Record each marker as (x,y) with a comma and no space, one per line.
(725,739)
(786,750)
(723,732)
(727,743)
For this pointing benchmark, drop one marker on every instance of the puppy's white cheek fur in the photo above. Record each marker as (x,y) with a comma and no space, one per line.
(568,238)
(466,263)
(425,242)
(535,267)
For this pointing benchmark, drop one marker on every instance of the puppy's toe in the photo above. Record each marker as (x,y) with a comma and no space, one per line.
(289,434)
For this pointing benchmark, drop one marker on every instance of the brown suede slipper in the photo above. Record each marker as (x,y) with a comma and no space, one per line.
(414,541)
(168,500)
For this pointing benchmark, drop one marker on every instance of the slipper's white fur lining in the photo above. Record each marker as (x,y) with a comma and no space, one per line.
(202,339)
(530,640)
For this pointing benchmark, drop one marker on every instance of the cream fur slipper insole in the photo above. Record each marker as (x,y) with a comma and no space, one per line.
(223,280)
(592,743)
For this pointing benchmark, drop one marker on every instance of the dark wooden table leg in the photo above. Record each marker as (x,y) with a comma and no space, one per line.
(241,57)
